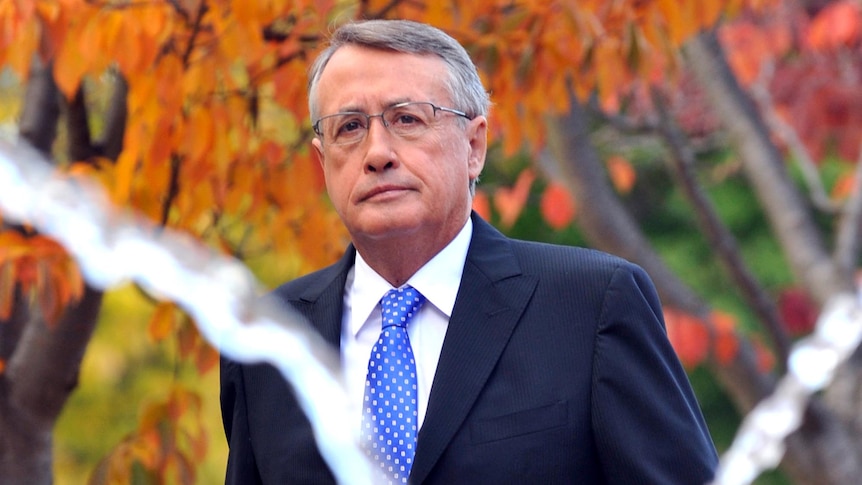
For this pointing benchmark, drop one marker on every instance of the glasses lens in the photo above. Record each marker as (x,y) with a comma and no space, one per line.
(344,128)
(409,119)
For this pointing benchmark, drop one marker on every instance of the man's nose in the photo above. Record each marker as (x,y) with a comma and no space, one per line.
(378,154)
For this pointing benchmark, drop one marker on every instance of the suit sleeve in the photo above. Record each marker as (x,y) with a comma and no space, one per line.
(241,466)
(647,423)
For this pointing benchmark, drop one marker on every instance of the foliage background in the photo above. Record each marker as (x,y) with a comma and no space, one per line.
(147,384)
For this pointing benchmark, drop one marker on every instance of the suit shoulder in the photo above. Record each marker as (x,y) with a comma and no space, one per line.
(553,257)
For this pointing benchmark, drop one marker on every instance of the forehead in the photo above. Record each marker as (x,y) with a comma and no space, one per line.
(371,79)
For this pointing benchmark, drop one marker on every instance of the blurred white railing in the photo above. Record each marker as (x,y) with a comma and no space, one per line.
(759,442)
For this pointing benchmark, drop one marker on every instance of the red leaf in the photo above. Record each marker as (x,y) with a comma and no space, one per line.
(688,335)
(726,345)
(765,358)
(798,311)
(558,206)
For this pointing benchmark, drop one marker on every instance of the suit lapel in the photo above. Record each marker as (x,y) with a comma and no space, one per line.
(322,302)
(491,299)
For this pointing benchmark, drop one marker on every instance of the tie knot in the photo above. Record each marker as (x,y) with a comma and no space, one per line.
(400,305)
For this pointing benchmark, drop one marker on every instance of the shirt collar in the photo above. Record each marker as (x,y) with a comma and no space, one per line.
(438,280)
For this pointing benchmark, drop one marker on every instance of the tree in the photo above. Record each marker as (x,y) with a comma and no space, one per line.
(193,113)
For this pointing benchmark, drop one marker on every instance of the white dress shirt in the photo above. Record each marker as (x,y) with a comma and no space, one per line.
(438,280)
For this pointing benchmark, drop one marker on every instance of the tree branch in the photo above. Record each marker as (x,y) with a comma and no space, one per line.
(789,217)
(574,161)
(682,163)
(783,130)
(847,238)
(173,189)
(196,29)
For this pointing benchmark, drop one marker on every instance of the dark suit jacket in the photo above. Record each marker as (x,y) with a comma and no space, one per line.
(555,369)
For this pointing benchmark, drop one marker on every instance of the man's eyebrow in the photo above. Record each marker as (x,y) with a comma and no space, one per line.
(353,108)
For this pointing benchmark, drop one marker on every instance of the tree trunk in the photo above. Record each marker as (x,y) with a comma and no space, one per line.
(41,373)
(41,361)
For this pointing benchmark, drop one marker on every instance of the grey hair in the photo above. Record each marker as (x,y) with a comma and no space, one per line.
(465,87)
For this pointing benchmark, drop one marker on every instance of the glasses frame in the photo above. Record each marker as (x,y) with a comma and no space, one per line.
(317,129)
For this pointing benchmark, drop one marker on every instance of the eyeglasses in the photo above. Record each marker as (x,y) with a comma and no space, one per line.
(407,120)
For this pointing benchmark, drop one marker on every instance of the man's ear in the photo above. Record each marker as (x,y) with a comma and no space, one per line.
(477,136)
(318,150)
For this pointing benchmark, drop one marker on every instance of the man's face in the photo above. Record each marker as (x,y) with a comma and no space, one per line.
(385,186)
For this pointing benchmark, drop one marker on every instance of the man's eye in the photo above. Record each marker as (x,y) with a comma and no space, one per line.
(406,119)
(350,126)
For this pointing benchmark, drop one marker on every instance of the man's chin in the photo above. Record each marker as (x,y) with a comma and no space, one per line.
(383,227)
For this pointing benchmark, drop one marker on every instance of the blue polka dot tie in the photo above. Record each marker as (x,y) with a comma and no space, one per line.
(389,420)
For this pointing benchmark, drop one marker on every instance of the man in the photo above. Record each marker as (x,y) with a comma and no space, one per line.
(534,363)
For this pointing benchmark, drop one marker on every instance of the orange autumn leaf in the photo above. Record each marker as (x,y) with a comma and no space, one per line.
(558,206)
(839,23)
(510,201)
(163,321)
(844,186)
(187,338)
(206,359)
(688,335)
(747,48)
(7,289)
(482,205)
(622,174)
